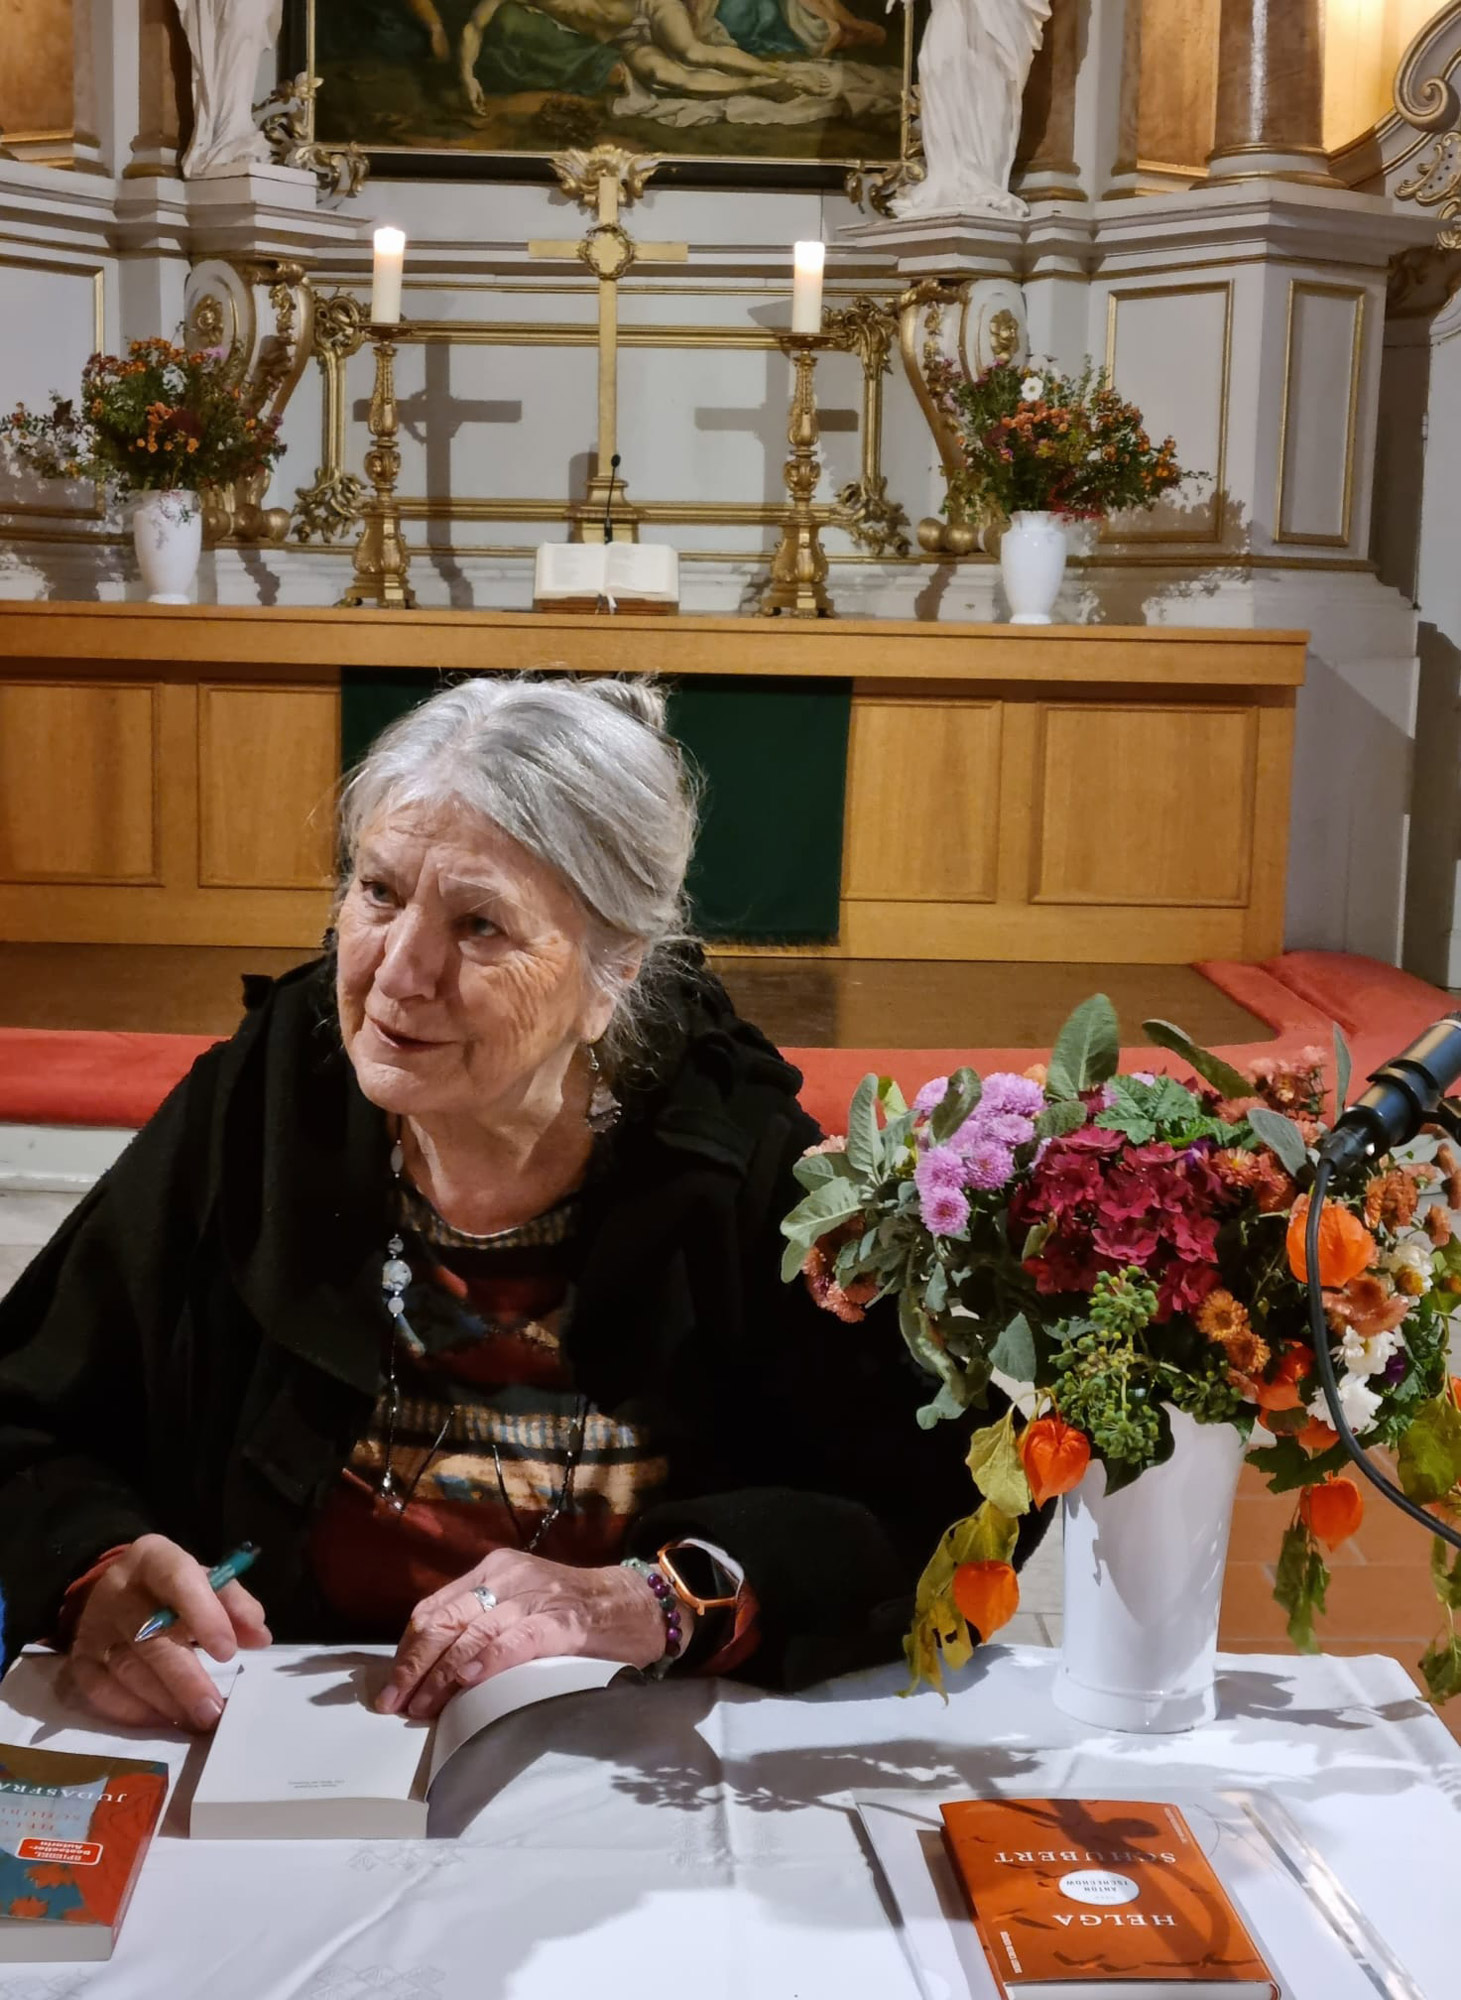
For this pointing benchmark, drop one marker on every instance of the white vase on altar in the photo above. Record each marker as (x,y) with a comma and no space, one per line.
(1032,552)
(167,533)
(1144,1585)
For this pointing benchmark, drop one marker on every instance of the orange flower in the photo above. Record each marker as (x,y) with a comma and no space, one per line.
(1346,1247)
(988,1595)
(1055,1455)
(1390,1199)
(1317,1436)
(1367,1304)
(1438,1225)
(1281,1390)
(1333,1511)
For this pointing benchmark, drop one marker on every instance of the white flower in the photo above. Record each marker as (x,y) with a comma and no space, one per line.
(1356,1398)
(1415,1253)
(1368,1356)
(1032,389)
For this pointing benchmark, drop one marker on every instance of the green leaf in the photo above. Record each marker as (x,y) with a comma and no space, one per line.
(1343,1068)
(1300,1585)
(1441,1665)
(1281,1135)
(1429,1458)
(922,1343)
(1087,1049)
(936,1291)
(994,1460)
(958,1101)
(816,1169)
(1212,1069)
(1287,1466)
(864,1140)
(1013,1353)
(1035,1240)
(944,1405)
(894,1103)
(1056,1120)
(1448,1584)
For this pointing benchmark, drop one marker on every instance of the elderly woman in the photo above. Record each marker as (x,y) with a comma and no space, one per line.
(451,1281)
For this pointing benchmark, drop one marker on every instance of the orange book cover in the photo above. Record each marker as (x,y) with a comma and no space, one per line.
(1101,1893)
(73,1831)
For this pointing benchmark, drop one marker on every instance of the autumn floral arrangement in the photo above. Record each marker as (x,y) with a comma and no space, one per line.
(1036,440)
(1120,1246)
(160,417)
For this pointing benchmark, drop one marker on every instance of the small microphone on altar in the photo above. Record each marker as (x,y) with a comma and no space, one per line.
(1404,1094)
(609,499)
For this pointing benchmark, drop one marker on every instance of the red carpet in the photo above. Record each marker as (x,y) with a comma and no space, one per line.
(71,1078)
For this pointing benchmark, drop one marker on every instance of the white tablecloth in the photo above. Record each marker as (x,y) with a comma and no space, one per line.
(697,1839)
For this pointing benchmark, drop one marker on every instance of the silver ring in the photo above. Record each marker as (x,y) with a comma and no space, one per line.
(485,1597)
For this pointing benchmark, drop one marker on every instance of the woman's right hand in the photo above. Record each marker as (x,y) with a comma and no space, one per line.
(163,1679)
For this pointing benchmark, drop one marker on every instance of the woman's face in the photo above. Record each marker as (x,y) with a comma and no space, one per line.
(461,981)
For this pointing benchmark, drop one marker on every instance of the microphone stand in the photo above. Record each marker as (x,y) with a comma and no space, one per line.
(1445,1116)
(606,602)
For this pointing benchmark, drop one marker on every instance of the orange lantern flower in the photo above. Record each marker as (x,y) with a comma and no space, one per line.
(1333,1511)
(1055,1455)
(1317,1436)
(988,1595)
(1346,1247)
(1281,1391)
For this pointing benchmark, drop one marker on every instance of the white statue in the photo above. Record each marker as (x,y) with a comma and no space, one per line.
(972,65)
(228,39)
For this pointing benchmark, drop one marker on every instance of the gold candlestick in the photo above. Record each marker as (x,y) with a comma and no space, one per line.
(799,566)
(381,557)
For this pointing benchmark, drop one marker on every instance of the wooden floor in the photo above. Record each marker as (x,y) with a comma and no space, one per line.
(1381,1599)
(801,1003)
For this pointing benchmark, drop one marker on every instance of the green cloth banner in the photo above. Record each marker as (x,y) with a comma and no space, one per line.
(773,759)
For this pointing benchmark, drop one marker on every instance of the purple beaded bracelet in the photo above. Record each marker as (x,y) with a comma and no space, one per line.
(669,1606)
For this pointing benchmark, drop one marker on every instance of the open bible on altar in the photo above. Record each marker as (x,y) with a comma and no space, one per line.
(629,576)
(301,1753)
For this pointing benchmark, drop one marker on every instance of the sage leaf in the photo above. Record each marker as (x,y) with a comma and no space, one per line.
(1058,1119)
(1087,1049)
(1343,1069)
(1013,1353)
(958,1101)
(1212,1069)
(944,1405)
(864,1140)
(1281,1135)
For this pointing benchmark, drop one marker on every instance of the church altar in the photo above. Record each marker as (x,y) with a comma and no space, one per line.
(1091,792)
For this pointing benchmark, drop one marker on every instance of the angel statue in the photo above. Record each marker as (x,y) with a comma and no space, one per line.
(972,64)
(228,40)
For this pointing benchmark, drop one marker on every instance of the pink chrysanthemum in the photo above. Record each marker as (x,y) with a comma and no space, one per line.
(988,1164)
(939,1167)
(933,1092)
(945,1211)
(1005,1092)
(1008,1127)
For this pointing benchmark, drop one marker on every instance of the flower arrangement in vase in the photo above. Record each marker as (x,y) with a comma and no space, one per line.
(1041,448)
(161,424)
(1128,1251)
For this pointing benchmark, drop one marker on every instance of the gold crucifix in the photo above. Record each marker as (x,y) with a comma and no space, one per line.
(605,181)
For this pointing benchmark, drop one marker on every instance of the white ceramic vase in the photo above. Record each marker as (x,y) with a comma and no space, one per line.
(1032,552)
(1144,1584)
(167,533)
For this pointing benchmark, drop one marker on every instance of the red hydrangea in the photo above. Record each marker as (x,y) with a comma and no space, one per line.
(1109,1204)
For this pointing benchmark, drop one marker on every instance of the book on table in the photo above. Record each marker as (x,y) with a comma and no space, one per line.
(73,1831)
(1099,1899)
(300,1751)
(629,576)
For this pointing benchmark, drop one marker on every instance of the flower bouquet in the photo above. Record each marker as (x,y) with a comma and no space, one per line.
(164,423)
(1120,1247)
(1039,447)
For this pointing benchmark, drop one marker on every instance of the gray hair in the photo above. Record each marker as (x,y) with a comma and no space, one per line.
(584,776)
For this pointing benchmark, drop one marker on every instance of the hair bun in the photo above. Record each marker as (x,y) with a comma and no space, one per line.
(641,698)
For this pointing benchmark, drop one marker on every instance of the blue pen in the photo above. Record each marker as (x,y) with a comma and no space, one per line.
(231,1567)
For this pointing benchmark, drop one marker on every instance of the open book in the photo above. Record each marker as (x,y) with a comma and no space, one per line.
(634,575)
(301,1754)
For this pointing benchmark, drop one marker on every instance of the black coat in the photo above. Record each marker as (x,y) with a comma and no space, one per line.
(200,1345)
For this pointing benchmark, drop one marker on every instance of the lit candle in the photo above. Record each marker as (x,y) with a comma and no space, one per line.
(385,287)
(806,287)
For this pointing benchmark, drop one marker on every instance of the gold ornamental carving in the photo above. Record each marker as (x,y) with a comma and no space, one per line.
(874,519)
(206,323)
(583,175)
(331,506)
(1426,98)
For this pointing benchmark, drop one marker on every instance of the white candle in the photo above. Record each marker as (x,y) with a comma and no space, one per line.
(385,286)
(806,287)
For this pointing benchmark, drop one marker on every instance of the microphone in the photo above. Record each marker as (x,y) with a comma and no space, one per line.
(1403,1094)
(609,500)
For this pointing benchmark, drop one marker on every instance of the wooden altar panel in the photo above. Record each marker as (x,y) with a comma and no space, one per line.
(268,766)
(1070,793)
(98,823)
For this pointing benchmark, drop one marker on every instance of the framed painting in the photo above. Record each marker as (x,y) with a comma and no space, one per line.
(782,92)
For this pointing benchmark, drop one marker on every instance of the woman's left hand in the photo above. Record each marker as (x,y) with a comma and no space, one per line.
(542,1609)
